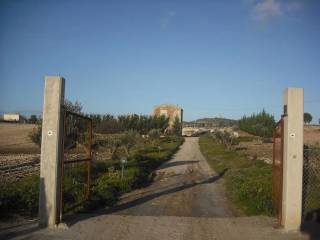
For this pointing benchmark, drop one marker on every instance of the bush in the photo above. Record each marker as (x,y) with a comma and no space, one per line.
(35,135)
(129,139)
(107,187)
(225,138)
(21,196)
(154,135)
(177,126)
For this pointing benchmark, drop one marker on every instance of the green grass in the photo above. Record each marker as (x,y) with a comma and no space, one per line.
(246,138)
(138,172)
(20,197)
(248,182)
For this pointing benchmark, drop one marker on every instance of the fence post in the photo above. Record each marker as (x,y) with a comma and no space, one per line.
(50,165)
(292,158)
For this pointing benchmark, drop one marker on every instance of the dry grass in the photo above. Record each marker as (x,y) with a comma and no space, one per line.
(14,138)
(312,135)
(258,149)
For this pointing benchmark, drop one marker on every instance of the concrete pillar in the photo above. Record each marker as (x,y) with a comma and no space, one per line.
(292,159)
(181,121)
(51,147)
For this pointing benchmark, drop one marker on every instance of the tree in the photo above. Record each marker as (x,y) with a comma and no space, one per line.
(177,126)
(33,119)
(108,124)
(307,118)
(154,135)
(129,139)
(260,124)
(113,143)
(75,107)
(35,135)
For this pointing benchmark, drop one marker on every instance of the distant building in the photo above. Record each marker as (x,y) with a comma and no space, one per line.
(169,110)
(14,117)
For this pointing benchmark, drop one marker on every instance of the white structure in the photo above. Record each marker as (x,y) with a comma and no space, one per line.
(14,117)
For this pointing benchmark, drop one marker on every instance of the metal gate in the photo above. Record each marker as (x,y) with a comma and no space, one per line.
(277,169)
(76,162)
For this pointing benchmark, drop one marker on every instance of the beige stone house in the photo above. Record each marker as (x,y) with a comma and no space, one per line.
(169,110)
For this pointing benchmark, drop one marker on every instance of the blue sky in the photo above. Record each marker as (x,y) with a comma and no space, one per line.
(213,58)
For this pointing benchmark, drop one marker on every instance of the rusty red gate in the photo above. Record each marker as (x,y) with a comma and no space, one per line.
(76,162)
(277,169)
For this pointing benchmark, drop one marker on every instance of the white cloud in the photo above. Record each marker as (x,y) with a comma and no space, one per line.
(167,19)
(265,10)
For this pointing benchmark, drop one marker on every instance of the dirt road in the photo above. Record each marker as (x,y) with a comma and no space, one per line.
(186,201)
(185,186)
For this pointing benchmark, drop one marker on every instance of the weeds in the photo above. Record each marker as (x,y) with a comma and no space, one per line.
(248,182)
(107,184)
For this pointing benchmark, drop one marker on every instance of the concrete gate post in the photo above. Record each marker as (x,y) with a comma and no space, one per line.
(51,146)
(292,158)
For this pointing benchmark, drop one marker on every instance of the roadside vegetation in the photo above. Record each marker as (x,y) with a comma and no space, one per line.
(248,182)
(307,118)
(126,150)
(107,181)
(110,124)
(260,124)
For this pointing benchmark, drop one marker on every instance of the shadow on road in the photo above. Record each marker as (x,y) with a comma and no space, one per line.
(19,230)
(176,163)
(71,220)
(312,229)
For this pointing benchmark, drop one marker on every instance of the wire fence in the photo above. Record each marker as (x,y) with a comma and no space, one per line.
(311,184)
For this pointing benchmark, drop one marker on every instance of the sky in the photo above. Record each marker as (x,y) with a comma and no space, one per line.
(212,58)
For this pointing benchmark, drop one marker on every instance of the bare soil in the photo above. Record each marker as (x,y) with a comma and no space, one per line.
(264,151)
(14,138)
(19,157)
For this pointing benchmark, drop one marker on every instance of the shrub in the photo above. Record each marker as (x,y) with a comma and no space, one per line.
(225,138)
(129,139)
(106,188)
(154,135)
(177,126)
(35,135)
(20,196)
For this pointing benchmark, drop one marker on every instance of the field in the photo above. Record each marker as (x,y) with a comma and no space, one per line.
(14,138)
(255,148)
(20,161)
(19,157)
(312,135)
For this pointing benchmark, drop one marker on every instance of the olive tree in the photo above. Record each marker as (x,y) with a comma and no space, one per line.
(307,118)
